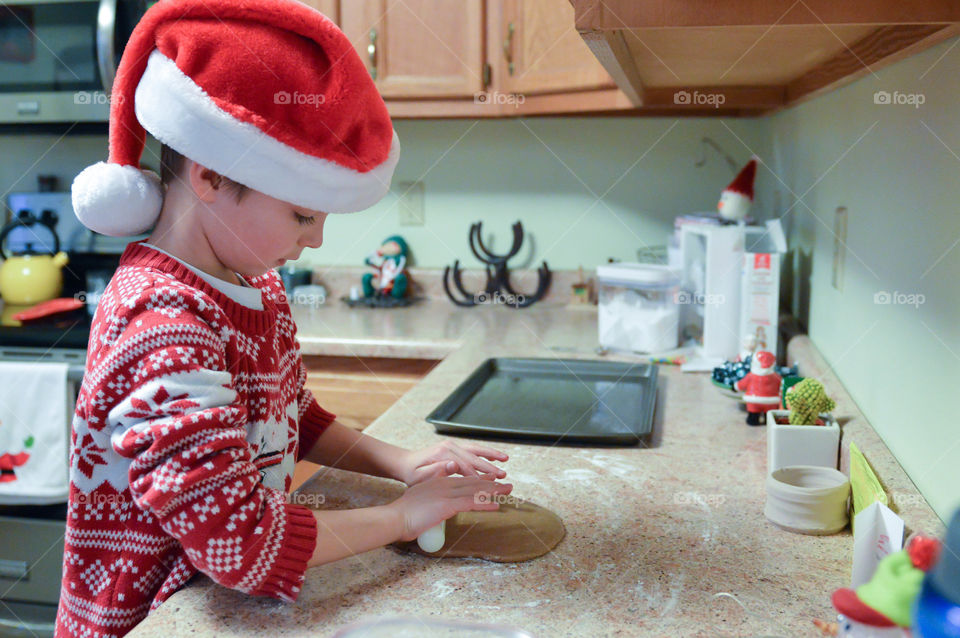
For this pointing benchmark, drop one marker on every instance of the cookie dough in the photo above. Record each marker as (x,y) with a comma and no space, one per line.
(511,534)
(514,533)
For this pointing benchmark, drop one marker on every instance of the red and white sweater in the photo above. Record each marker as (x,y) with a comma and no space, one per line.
(191,415)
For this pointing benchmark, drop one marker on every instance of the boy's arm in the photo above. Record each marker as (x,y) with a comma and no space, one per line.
(345,448)
(184,432)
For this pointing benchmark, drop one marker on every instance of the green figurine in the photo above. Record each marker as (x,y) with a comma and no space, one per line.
(390,260)
(806,401)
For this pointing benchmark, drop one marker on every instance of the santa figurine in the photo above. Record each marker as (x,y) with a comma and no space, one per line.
(390,260)
(735,200)
(761,387)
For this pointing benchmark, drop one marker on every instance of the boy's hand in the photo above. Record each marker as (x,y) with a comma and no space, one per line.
(423,506)
(447,458)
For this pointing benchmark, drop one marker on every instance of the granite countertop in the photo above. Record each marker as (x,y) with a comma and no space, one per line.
(665,540)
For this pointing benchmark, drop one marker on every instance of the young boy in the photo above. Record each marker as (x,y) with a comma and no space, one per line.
(193,408)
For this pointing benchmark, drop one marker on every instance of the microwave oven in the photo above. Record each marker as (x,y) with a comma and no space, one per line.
(58,58)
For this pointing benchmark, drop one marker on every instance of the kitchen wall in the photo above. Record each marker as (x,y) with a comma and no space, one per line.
(892,332)
(585,188)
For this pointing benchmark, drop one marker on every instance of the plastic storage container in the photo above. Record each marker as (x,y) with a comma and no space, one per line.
(638,307)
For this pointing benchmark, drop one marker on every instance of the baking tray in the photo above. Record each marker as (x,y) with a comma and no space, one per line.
(557,400)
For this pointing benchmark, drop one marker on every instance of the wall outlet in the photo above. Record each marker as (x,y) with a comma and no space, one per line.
(839,247)
(411,203)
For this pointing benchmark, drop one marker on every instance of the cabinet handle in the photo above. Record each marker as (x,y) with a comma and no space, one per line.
(508,48)
(372,52)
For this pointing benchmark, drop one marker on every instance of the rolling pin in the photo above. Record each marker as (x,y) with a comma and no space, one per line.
(433,539)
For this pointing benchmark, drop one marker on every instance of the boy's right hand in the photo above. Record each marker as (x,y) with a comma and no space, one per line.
(426,504)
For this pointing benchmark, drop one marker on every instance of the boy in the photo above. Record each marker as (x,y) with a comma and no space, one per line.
(193,408)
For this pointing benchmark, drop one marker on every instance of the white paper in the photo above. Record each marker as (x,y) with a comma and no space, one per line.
(878,532)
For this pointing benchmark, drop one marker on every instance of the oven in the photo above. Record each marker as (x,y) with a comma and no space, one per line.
(31,536)
(58,58)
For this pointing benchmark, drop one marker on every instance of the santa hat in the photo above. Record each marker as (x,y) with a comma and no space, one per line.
(762,362)
(886,600)
(269,93)
(742,184)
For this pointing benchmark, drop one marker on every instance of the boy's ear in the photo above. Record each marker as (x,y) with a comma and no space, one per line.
(204,181)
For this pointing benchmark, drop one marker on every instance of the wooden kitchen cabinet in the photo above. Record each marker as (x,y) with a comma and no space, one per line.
(752,56)
(475,58)
(358,390)
(535,49)
(419,48)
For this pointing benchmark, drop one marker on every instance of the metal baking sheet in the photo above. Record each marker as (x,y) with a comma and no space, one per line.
(556,400)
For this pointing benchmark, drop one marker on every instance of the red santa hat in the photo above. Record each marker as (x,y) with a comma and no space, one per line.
(742,184)
(762,362)
(269,93)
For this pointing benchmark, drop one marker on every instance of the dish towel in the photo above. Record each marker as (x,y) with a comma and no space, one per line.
(34,433)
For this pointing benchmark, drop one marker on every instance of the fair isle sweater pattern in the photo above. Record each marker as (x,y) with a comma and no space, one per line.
(190,418)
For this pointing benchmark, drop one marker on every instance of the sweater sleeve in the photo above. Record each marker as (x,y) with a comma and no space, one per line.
(183,429)
(313,419)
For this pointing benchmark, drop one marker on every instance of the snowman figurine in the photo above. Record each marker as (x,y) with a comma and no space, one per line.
(390,260)
(736,199)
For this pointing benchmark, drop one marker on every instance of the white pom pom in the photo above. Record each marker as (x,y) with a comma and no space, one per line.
(116,200)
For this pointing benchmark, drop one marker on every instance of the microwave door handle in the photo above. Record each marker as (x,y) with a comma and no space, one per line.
(106,27)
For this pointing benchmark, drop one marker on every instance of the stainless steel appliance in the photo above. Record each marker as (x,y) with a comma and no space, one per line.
(58,58)
(31,536)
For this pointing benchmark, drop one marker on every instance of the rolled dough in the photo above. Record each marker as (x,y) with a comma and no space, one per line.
(514,533)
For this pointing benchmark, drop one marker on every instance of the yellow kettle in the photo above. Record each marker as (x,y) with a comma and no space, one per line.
(31,277)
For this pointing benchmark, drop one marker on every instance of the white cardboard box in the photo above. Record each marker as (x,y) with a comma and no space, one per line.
(760,285)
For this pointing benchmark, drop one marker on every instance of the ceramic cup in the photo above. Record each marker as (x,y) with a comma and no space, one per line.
(807,499)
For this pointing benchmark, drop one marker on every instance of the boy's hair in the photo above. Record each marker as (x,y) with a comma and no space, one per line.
(171,163)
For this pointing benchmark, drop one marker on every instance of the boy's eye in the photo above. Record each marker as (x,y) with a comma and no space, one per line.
(302,220)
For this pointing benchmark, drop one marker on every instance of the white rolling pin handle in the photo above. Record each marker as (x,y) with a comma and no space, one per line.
(433,539)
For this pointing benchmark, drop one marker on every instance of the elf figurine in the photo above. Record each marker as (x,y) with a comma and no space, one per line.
(882,607)
(735,200)
(761,387)
(390,260)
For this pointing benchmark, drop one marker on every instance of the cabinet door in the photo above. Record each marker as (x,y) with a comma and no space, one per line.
(329,8)
(535,48)
(419,48)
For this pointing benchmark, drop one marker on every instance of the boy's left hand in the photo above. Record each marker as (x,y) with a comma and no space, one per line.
(447,458)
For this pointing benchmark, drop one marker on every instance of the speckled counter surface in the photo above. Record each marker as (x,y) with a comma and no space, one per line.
(665,540)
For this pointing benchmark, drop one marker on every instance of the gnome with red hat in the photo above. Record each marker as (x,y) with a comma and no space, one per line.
(761,387)
(882,607)
(735,200)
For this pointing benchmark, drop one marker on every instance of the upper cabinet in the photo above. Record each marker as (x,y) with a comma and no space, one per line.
(476,58)
(419,48)
(752,56)
(535,49)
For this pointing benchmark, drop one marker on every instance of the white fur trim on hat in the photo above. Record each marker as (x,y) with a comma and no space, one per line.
(180,114)
(116,200)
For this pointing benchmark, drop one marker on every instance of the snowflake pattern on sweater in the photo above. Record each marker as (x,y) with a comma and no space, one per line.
(190,418)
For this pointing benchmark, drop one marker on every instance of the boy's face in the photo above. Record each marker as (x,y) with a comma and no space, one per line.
(259,232)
